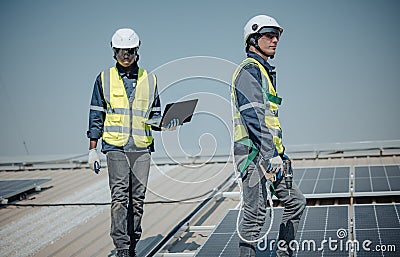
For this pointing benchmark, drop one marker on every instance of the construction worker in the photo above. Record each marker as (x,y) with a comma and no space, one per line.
(258,148)
(124,97)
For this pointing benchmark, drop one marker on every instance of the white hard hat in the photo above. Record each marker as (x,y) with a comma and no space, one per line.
(125,38)
(255,24)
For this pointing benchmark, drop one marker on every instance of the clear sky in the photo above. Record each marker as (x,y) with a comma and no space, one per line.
(337,67)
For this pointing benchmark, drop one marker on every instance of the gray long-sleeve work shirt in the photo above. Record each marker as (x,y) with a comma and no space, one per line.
(248,86)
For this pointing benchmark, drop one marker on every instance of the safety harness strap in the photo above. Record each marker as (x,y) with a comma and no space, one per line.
(250,157)
(273,98)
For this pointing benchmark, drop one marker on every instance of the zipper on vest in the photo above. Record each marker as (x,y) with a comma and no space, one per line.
(130,118)
(131,98)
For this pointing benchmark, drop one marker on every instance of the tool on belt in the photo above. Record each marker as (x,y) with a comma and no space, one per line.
(288,173)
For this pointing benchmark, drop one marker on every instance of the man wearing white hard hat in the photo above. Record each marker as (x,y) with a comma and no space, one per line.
(124,97)
(259,152)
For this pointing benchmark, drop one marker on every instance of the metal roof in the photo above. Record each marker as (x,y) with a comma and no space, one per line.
(71,217)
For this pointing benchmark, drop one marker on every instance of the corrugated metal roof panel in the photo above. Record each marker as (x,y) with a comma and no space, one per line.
(79,230)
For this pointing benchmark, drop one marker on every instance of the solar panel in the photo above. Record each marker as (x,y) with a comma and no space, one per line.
(323,181)
(317,224)
(377,229)
(10,188)
(376,180)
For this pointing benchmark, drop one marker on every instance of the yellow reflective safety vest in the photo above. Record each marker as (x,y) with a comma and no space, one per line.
(124,117)
(271,102)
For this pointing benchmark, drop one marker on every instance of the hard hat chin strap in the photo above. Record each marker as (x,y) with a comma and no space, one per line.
(254,42)
(259,49)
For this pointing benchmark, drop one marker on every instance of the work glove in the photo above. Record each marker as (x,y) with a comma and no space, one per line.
(94,160)
(272,168)
(275,165)
(172,125)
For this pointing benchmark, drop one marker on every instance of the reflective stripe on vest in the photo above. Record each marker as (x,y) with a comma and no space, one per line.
(122,117)
(271,102)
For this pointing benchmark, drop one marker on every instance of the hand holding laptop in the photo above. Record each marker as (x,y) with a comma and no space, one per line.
(175,114)
(172,125)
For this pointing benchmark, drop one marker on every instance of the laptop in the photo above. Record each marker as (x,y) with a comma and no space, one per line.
(180,110)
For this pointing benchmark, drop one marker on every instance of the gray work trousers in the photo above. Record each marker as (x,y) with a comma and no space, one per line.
(128,182)
(254,210)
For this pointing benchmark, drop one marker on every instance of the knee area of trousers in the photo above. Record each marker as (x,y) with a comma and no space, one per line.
(120,196)
(118,204)
(138,206)
(302,203)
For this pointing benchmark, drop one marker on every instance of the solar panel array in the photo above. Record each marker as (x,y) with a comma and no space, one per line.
(9,188)
(376,180)
(377,229)
(323,181)
(378,223)
(319,223)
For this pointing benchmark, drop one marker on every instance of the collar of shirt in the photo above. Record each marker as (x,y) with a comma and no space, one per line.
(266,65)
(270,69)
(131,75)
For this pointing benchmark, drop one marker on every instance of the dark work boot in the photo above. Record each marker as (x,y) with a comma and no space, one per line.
(123,253)
(132,252)
(132,248)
